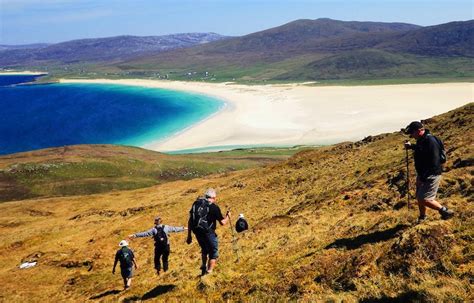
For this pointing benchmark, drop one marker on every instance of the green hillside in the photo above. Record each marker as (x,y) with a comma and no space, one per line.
(88,169)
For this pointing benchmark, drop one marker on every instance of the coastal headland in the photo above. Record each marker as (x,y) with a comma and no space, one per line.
(290,114)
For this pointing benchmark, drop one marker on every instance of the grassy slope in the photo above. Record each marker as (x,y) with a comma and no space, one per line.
(88,169)
(328,224)
(356,69)
(376,64)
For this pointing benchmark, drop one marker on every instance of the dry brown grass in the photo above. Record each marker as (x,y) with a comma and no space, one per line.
(329,224)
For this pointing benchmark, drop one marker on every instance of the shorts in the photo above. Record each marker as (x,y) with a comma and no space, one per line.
(127,273)
(209,244)
(427,189)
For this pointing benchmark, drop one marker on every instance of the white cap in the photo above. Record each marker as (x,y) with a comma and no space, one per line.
(241,215)
(123,243)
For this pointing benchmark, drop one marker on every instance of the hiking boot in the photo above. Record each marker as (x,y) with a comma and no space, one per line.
(421,219)
(446,213)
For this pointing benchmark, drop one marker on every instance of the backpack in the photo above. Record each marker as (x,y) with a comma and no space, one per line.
(161,238)
(442,152)
(241,225)
(199,213)
(126,257)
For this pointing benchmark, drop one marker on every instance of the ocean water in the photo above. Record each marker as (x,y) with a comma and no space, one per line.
(16,79)
(49,115)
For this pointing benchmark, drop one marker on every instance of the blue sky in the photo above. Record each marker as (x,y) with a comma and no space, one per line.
(32,21)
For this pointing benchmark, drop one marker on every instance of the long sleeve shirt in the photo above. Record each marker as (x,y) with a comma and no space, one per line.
(166,228)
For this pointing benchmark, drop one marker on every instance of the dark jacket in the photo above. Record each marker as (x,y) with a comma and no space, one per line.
(427,156)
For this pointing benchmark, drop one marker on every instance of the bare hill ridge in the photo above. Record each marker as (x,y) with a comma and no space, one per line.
(100,49)
(328,224)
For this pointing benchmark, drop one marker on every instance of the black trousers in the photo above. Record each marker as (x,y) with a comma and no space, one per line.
(162,252)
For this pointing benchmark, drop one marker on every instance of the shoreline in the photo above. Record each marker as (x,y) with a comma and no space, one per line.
(296,114)
(25,73)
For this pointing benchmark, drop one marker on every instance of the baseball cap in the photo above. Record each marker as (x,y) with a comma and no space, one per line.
(415,125)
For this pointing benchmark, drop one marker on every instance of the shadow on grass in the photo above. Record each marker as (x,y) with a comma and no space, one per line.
(406,297)
(378,236)
(155,292)
(104,294)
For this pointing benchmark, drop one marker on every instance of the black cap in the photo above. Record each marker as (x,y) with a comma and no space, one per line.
(415,125)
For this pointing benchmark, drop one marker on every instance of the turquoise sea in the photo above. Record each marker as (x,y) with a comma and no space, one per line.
(49,115)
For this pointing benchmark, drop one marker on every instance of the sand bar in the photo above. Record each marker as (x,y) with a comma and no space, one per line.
(290,114)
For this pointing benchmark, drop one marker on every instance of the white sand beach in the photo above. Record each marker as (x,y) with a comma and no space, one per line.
(293,114)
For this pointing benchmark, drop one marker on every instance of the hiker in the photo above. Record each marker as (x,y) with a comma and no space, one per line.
(160,233)
(203,216)
(429,156)
(241,224)
(127,261)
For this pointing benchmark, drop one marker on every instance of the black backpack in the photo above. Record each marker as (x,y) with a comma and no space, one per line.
(442,152)
(161,238)
(126,257)
(241,225)
(199,213)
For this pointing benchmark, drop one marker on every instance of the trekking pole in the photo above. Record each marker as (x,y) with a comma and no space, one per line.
(235,248)
(408,178)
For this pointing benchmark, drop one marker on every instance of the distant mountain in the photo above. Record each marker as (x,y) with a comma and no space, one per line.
(320,49)
(280,43)
(326,49)
(23,46)
(103,49)
(299,35)
(450,39)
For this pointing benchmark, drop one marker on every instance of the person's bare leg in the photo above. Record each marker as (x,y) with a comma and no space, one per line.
(433,204)
(212,265)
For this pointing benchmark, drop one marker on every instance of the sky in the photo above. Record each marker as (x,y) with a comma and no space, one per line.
(51,21)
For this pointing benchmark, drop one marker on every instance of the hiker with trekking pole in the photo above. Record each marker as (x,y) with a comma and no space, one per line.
(203,218)
(429,155)
(240,226)
(160,234)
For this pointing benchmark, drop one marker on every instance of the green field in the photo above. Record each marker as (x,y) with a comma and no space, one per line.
(89,169)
